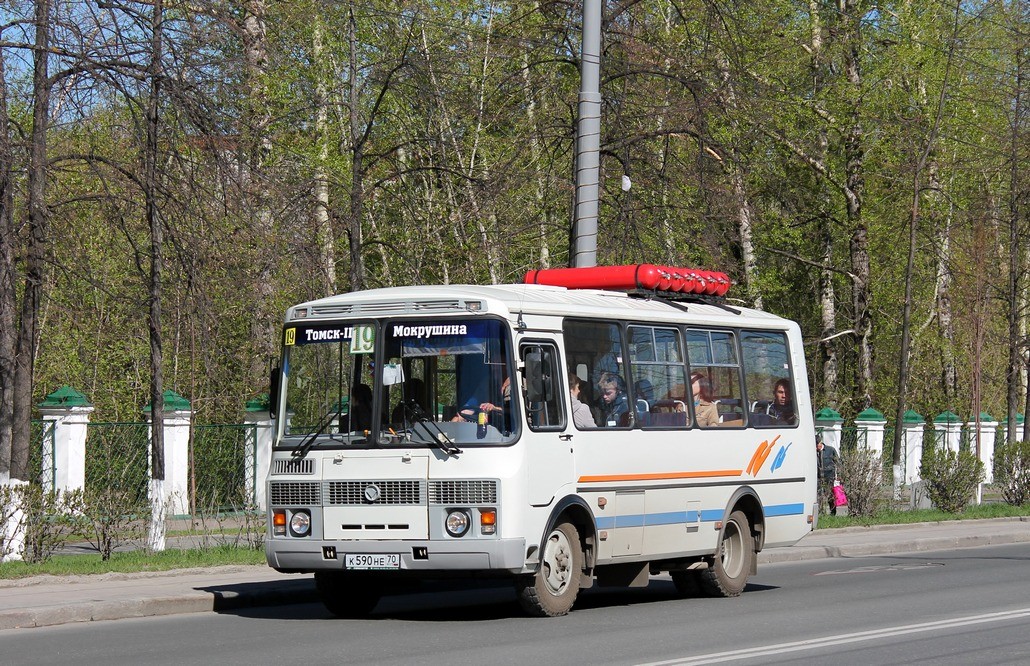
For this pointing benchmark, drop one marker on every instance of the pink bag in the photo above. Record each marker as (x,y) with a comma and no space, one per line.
(840,498)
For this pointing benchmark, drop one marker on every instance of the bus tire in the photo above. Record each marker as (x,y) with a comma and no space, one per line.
(552,590)
(727,575)
(346,596)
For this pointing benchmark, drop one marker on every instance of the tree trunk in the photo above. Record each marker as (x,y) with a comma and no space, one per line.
(257,146)
(28,330)
(357,189)
(824,230)
(322,223)
(8,272)
(156,246)
(1016,363)
(854,155)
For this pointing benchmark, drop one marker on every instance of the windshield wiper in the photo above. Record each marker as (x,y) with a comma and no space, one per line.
(309,441)
(441,440)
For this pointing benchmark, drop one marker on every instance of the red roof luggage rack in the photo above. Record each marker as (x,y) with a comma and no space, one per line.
(665,280)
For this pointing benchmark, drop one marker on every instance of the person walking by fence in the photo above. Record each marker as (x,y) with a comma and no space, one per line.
(827,459)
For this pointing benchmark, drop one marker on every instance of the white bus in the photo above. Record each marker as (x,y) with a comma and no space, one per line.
(426,432)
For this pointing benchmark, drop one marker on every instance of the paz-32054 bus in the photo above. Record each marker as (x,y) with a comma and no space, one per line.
(428,432)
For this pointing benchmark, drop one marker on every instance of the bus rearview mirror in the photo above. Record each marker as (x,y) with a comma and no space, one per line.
(534,377)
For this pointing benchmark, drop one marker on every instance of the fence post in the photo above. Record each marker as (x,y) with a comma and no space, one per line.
(872,423)
(68,411)
(988,432)
(13,523)
(948,428)
(829,422)
(913,424)
(176,423)
(259,416)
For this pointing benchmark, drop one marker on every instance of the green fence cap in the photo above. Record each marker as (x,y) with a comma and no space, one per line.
(173,402)
(258,403)
(828,414)
(947,417)
(65,396)
(984,416)
(1019,418)
(912,416)
(870,414)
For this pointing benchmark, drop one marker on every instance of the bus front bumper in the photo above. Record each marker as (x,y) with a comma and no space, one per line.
(498,555)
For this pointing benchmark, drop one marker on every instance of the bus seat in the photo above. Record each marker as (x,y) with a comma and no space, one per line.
(666,419)
(761,406)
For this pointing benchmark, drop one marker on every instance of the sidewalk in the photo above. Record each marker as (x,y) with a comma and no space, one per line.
(50,600)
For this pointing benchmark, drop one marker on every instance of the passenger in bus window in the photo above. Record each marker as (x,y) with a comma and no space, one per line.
(580,413)
(413,397)
(490,407)
(782,407)
(704,409)
(613,398)
(359,412)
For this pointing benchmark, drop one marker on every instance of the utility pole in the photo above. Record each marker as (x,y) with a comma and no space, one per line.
(588,140)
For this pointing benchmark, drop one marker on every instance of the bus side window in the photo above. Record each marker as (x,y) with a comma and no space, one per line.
(768,379)
(658,377)
(713,354)
(542,387)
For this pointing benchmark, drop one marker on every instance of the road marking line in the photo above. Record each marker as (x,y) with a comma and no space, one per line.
(842,639)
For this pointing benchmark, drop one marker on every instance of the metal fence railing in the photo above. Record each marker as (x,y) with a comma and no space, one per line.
(41,453)
(223,466)
(117,457)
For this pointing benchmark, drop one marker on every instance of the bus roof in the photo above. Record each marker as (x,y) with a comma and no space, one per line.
(510,300)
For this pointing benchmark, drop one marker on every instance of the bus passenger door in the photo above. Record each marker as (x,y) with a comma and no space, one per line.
(548,451)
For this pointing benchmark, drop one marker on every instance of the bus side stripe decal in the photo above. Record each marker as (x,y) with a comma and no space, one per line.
(686,517)
(659,476)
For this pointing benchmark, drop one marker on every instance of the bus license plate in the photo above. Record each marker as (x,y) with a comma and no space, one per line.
(372,561)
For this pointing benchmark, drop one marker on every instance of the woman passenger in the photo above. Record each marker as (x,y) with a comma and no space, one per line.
(704,409)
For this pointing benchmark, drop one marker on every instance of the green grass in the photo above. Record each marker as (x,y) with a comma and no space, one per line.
(135,561)
(906,516)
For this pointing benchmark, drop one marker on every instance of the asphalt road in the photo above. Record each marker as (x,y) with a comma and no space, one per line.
(968,606)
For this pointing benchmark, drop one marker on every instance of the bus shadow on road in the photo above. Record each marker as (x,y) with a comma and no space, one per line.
(450,602)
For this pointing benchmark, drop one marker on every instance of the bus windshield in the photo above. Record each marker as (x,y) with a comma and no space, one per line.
(401,382)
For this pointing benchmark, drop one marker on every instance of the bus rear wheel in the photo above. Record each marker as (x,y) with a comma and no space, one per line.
(727,575)
(344,595)
(553,589)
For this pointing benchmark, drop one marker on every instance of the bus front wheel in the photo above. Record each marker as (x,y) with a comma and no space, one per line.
(553,589)
(346,596)
(728,572)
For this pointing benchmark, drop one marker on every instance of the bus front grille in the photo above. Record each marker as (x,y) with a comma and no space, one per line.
(470,491)
(397,492)
(295,493)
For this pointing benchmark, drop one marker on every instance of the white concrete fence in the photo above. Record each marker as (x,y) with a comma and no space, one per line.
(66,417)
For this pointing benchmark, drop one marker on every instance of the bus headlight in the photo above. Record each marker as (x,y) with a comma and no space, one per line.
(300,524)
(458,523)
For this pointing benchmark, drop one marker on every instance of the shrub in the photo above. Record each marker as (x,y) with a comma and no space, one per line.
(950,479)
(114,517)
(1012,471)
(51,517)
(861,474)
(10,525)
